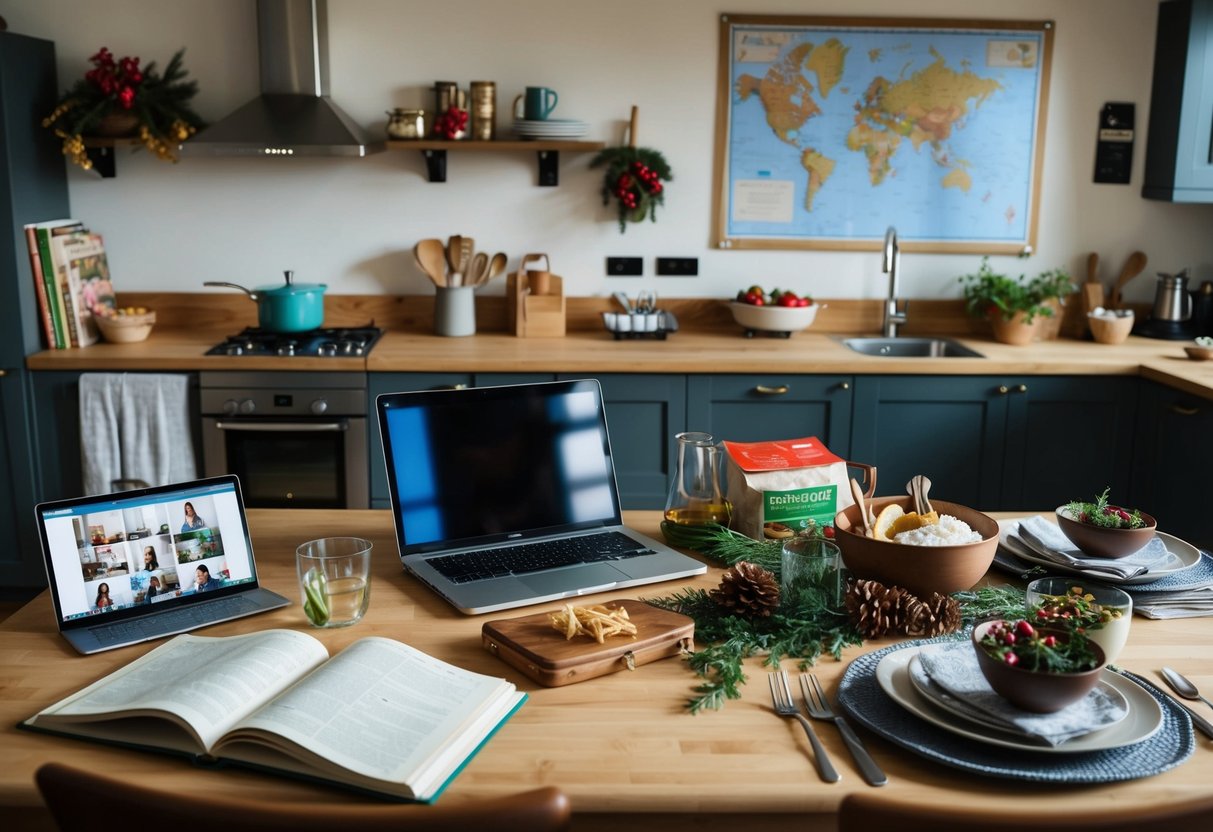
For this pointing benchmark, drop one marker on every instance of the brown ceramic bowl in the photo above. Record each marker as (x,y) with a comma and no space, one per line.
(1035,690)
(1106,543)
(920,569)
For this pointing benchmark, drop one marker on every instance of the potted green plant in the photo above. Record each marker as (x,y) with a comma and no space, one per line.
(1013,305)
(118,98)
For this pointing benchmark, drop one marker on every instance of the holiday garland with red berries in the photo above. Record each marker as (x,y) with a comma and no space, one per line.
(633,177)
(160,103)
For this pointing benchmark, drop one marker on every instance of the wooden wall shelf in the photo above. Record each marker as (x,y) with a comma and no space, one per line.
(434,152)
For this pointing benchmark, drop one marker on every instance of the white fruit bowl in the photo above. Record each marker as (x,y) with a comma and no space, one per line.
(781,319)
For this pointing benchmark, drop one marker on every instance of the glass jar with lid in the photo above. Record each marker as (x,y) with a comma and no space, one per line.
(406,124)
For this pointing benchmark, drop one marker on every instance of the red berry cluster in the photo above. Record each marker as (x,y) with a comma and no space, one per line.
(117,78)
(451,123)
(628,185)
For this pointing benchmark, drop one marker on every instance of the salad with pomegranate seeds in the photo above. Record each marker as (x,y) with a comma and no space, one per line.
(1021,645)
(1105,515)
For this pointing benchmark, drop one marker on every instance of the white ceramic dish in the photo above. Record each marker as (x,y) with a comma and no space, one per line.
(774,318)
(1144,719)
(1184,556)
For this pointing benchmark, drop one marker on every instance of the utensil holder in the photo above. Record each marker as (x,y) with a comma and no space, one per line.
(535,302)
(455,311)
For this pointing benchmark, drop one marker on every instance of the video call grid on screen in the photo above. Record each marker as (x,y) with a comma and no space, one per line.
(119,554)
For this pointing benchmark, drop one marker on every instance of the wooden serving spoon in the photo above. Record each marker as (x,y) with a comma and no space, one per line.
(496,266)
(918,487)
(454,258)
(1134,266)
(431,259)
(857,493)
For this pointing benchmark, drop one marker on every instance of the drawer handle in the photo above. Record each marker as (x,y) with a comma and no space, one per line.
(772,391)
(1003,389)
(1184,411)
(3,373)
(1021,388)
(846,385)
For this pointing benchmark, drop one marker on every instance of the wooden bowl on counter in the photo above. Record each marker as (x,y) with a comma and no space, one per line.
(920,569)
(126,329)
(1110,330)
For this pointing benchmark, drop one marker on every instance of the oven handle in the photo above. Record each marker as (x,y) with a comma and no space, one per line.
(291,427)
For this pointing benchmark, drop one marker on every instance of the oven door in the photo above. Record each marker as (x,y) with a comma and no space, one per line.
(291,463)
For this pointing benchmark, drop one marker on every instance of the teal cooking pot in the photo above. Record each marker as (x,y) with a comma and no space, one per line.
(289,307)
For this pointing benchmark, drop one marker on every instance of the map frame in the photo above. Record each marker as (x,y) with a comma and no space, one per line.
(725,235)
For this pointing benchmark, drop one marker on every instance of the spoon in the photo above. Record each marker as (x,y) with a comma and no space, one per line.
(1182,686)
(1132,268)
(857,493)
(918,487)
(430,258)
(496,266)
(454,256)
(623,301)
(478,271)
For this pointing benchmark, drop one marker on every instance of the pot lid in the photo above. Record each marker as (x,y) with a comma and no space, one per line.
(290,287)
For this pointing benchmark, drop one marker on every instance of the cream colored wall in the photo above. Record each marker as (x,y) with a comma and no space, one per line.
(351,223)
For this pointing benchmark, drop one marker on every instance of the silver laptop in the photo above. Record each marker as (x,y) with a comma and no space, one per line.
(139,565)
(506,496)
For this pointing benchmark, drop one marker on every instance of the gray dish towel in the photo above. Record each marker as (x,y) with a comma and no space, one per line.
(135,426)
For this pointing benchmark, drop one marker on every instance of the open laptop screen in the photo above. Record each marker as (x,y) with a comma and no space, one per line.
(489,464)
(117,556)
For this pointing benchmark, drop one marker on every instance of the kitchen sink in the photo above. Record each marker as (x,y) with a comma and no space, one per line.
(911,347)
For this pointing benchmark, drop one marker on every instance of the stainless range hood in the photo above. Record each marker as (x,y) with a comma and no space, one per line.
(294,115)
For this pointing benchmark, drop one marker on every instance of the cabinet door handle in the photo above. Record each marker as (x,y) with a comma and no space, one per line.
(846,385)
(3,372)
(1184,411)
(1021,388)
(772,391)
(1003,389)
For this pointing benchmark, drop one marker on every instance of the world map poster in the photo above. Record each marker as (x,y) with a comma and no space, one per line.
(831,131)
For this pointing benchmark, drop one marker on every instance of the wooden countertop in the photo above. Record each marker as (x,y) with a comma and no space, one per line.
(621,746)
(707,343)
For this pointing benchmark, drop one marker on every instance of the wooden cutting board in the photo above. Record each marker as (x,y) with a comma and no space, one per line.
(531,645)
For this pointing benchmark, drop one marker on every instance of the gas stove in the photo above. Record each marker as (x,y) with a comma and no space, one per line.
(338,342)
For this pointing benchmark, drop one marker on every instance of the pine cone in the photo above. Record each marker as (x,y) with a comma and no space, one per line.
(748,590)
(938,615)
(877,610)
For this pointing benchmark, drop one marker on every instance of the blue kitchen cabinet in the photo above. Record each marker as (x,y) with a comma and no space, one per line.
(379,383)
(1172,460)
(644,413)
(33,188)
(57,431)
(1004,443)
(756,408)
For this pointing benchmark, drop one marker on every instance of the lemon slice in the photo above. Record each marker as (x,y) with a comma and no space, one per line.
(885,520)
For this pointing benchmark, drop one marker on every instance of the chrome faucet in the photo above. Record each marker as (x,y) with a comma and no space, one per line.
(894,310)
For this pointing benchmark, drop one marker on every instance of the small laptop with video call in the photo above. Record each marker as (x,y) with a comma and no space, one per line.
(506,496)
(140,565)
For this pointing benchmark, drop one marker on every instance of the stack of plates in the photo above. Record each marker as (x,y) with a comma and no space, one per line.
(553,128)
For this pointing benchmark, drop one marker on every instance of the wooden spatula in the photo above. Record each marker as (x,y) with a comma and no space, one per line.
(1134,266)
(1092,290)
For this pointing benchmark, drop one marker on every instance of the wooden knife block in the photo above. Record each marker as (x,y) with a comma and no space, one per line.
(533,315)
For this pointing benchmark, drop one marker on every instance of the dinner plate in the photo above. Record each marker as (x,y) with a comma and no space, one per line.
(1143,721)
(952,705)
(1185,553)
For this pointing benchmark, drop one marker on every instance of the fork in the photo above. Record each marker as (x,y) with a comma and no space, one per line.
(781,698)
(819,708)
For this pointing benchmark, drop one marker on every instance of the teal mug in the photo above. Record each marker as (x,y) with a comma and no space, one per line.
(537,104)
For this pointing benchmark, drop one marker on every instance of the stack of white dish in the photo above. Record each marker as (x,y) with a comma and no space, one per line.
(552,128)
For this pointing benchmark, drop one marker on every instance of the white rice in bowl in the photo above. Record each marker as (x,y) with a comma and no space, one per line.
(947,532)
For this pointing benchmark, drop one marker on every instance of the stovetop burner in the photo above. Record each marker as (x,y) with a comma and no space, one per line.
(338,342)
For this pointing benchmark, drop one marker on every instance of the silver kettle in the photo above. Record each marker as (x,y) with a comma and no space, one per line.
(1172,302)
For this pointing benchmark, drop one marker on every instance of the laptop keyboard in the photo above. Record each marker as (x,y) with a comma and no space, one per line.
(174,621)
(536,557)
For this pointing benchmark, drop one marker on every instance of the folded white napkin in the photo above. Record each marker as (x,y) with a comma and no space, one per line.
(1048,541)
(950,672)
(1189,603)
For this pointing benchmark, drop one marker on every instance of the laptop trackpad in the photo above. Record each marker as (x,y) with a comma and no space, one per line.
(593,576)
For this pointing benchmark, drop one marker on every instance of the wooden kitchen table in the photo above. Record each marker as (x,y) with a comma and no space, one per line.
(622,746)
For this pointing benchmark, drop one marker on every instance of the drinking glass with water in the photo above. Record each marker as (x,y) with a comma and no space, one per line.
(334,580)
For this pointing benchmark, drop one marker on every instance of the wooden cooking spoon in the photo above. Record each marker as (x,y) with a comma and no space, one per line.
(857,493)
(454,258)
(1134,266)
(431,259)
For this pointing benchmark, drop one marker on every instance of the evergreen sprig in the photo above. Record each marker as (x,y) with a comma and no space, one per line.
(803,628)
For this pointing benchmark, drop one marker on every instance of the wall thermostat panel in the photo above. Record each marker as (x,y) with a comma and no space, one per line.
(1114,150)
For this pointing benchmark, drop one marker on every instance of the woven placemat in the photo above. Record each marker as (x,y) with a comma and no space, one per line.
(1196,576)
(863,699)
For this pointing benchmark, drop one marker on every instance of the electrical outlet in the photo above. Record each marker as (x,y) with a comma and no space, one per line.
(678,266)
(625,266)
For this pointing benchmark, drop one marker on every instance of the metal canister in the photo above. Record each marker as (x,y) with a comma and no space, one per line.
(446,96)
(483,106)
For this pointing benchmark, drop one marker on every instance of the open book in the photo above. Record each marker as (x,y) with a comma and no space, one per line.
(379,716)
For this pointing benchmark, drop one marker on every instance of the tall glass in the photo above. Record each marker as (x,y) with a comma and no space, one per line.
(695,495)
(1112,609)
(811,563)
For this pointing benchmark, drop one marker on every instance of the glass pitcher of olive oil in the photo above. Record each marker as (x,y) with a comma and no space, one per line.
(695,495)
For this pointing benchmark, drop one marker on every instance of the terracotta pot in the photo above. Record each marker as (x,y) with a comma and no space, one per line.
(117,125)
(1016,331)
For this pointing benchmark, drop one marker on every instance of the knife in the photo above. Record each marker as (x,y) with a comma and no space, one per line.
(1198,721)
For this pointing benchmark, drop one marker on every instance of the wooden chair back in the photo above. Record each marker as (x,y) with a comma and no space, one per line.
(81,801)
(863,812)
